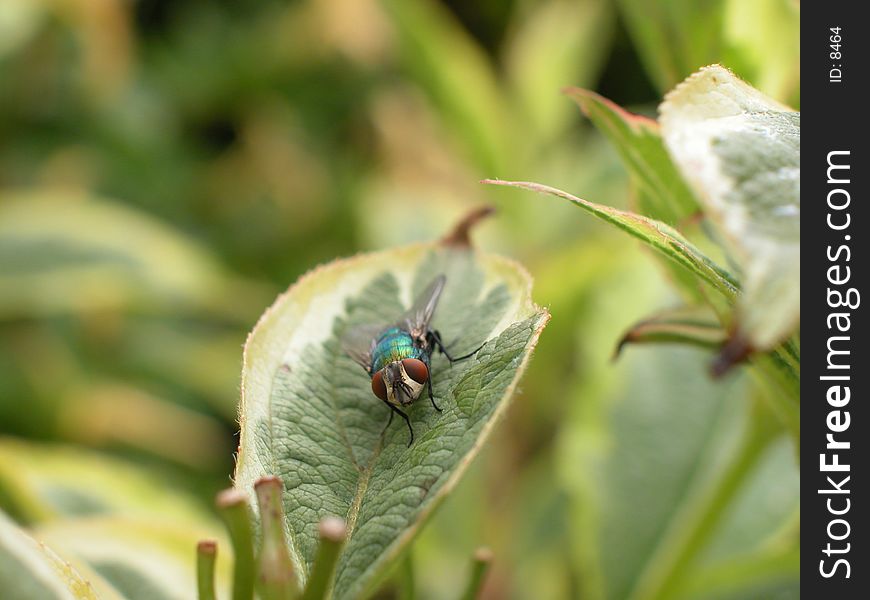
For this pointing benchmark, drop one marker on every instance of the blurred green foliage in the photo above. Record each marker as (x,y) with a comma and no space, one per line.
(166,168)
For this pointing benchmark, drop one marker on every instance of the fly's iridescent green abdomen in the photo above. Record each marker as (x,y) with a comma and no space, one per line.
(395,344)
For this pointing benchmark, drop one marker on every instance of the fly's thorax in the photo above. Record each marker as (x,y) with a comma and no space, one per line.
(394,344)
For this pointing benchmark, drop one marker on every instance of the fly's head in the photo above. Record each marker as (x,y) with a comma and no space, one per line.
(401,382)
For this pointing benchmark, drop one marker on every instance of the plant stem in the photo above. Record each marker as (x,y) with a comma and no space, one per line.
(333,532)
(206,553)
(233,508)
(407,584)
(276,580)
(693,526)
(738,575)
(479,567)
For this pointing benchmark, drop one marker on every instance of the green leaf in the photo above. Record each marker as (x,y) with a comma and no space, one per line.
(146,559)
(714,493)
(639,143)
(740,151)
(641,435)
(768,573)
(691,325)
(64,252)
(674,37)
(662,429)
(657,235)
(29,569)
(50,482)
(124,529)
(763,38)
(458,76)
(19,21)
(676,481)
(553,43)
(308,414)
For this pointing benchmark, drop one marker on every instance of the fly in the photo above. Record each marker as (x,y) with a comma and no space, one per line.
(398,357)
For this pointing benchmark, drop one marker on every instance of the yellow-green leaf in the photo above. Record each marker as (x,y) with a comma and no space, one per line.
(145,559)
(66,252)
(551,44)
(673,37)
(40,482)
(30,570)
(457,74)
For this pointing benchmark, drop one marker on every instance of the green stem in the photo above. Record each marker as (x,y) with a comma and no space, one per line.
(233,508)
(407,584)
(738,576)
(333,532)
(692,528)
(479,567)
(276,580)
(776,559)
(206,553)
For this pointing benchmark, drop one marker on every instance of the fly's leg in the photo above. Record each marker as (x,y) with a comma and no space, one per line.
(435,340)
(431,395)
(394,410)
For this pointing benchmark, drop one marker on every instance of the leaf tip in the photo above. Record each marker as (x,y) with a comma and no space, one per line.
(206,547)
(459,236)
(580,96)
(617,351)
(587,100)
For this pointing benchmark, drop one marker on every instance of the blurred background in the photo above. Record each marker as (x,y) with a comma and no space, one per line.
(167,168)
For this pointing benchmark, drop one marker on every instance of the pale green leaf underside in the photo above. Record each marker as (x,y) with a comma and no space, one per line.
(740,151)
(29,569)
(309,416)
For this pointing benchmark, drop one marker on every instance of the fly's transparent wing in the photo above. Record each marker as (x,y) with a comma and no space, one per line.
(418,317)
(359,341)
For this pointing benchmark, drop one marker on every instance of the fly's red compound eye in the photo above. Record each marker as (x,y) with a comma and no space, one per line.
(416,369)
(378,385)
